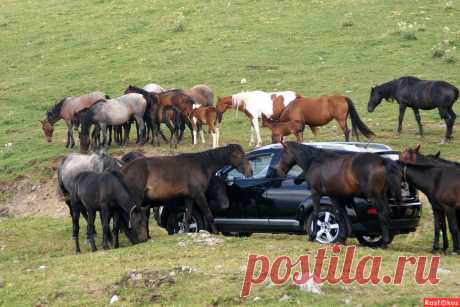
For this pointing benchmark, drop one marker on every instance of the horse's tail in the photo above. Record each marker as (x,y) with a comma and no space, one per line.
(219,116)
(88,120)
(393,179)
(62,191)
(356,123)
(177,118)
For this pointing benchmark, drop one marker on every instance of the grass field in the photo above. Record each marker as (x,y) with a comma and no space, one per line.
(51,49)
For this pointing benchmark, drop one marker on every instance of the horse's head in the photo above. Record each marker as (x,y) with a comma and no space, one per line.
(374,100)
(238,159)
(287,160)
(217,193)
(48,129)
(265,121)
(411,155)
(224,103)
(138,228)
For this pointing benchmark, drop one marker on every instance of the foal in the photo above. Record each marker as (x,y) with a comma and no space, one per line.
(280,130)
(206,116)
(342,177)
(106,192)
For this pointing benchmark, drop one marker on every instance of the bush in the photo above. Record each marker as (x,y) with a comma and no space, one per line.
(445,49)
(347,21)
(408,30)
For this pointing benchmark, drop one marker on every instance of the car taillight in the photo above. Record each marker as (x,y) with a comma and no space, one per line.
(372,211)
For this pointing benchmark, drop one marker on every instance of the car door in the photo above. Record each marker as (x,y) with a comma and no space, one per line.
(246,194)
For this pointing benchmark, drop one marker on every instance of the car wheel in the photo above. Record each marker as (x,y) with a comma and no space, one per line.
(175,223)
(237,234)
(330,228)
(372,241)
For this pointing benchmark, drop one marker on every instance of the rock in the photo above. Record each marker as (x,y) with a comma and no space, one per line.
(312,285)
(441,270)
(42,267)
(347,301)
(257,298)
(182,244)
(114,299)
(243,81)
(284,298)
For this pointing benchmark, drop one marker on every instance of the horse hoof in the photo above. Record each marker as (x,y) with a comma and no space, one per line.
(435,251)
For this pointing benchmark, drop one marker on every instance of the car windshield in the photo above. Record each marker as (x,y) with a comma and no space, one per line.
(260,165)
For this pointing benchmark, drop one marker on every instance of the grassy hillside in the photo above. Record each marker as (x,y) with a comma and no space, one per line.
(51,49)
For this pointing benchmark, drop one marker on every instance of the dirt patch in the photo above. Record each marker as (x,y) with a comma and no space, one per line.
(42,199)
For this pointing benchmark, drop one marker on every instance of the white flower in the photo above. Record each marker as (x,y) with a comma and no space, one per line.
(243,81)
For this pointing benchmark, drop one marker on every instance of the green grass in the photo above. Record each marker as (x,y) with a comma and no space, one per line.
(51,49)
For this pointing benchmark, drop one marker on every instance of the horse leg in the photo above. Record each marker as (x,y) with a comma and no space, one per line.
(76,225)
(104,134)
(442,223)
(419,120)
(91,228)
(346,131)
(383,213)
(453,228)
(202,203)
(316,197)
(202,134)
(72,140)
(217,136)
(450,124)
(402,110)
(188,214)
(111,128)
(255,123)
(106,235)
(116,228)
(436,220)
(251,140)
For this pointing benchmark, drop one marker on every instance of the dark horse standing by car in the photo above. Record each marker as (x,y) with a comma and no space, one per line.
(418,94)
(342,177)
(155,179)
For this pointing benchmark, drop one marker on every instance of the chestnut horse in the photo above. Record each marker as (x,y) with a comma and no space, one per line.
(253,104)
(66,109)
(342,177)
(183,102)
(187,176)
(282,129)
(320,111)
(440,188)
(206,116)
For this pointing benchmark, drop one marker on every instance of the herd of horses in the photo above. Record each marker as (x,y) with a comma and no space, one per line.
(125,190)
(283,112)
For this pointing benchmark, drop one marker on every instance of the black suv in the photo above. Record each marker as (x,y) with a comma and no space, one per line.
(269,203)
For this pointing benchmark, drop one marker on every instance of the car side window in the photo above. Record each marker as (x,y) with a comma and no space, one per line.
(295,171)
(260,165)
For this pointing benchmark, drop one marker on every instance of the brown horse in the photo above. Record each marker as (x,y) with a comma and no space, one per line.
(320,111)
(206,116)
(66,109)
(183,102)
(186,176)
(278,106)
(283,129)
(342,177)
(202,94)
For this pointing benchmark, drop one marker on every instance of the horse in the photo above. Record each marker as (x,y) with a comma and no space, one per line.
(252,104)
(282,129)
(342,177)
(153,88)
(206,116)
(66,109)
(130,156)
(202,94)
(106,192)
(320,111)
(115,111)
(419,95)
(440,211)
(181,101)
(186,176)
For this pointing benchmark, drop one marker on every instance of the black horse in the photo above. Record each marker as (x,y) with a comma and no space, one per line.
(107,193)
(418,94)
(344,176)
(156,179)
(417,163)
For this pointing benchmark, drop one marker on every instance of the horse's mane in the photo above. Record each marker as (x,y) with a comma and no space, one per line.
(388,89)
(442,160)
(53,115)
(149,97)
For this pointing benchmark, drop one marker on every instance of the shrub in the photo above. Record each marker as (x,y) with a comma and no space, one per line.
(408,30)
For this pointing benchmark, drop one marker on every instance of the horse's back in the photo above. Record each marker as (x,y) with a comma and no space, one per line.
(288,96)
(153,88)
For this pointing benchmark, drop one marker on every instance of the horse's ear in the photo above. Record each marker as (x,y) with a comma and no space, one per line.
(417,148)
(438,154)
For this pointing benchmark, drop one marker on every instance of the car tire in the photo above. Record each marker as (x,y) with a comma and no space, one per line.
(332,229)
(237,234)
(175,225)
(372,241)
